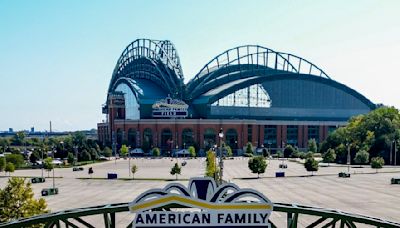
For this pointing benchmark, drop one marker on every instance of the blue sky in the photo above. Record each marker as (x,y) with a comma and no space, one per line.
(56,57)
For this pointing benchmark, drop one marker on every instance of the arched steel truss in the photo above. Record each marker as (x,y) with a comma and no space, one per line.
(295,215)
(155,60)
(250,57)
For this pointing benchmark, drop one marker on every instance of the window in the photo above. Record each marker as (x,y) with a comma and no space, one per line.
(291,135)
(252,96)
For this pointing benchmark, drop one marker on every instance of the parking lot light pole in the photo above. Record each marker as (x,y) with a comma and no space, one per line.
(54,183)
(129,160)
(221,161)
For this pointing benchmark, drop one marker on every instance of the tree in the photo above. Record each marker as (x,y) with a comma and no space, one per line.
(175,170)
(192,151)
(287,152)
(107,152)
(17,201)
(156,152)
(257,165)
(311,165)
(10,168)
(18,138)
(228,150)
(93,154)
(377,163)
(16,159)
(249,149)
(70,158)
(329,156)
(134,169)
(2,164)
(34,156)
(211,166)
(265,153)
(124,151)
(361,157)
(312,146)
(85,156)
(48,165)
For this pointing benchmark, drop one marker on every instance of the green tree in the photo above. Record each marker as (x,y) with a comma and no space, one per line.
(288,151)
(257,165)
(70,158)
(2,164)
(17,201)
(124,151)
(329,156)
(134,169)
(34,156)
(227,149)
(85,156)
(265,153)
(93,154)
(279,154)
(48,165)
(175,170)
(361,157)
(211,166)
(192,151)
(10,168)
(107,152)
(377,163)
(156,152)
(16,159)
(18,138)
(312,146)
(249,149)
(311,165)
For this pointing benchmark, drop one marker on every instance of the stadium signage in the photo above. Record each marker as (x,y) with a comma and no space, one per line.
(170,108)
(201,204)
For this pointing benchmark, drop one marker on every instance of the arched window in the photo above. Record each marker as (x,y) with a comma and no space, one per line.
(147,139)
(252,96)
(209,138)
(231,138)
(187,138)
(119,136)
(132,137)
(166,139)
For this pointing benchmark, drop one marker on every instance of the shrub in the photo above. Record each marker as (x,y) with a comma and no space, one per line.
(377,163)
(124,151)
(107,152)
(134,169)
(311,165)
(211,166)
(287,152)
(192,151)
(10,168)
(312,145)
(2,164)
(86,156)
(361,157)
(156,152)
(249,148)
(329,156)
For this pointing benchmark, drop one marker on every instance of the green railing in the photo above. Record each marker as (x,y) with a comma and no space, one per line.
(320,217)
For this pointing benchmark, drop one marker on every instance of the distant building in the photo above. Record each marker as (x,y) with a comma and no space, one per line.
(10,130)
(32,130)
(253,93)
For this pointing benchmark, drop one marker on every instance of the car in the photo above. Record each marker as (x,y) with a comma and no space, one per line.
(77,169)
(102,158)
(35,180)
(344,175)
(283,166)
(395,180)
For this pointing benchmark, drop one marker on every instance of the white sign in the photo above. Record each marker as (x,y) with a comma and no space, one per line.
(201,204)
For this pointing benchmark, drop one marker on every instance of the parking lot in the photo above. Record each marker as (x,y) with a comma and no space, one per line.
(366,192)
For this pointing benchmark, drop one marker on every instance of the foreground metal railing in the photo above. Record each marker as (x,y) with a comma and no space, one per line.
(106,217)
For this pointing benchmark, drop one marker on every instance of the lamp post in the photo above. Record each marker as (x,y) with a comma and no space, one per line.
(221,161)
(129,161)
(348,158)
(395,152)
(54,183)
(76,154)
